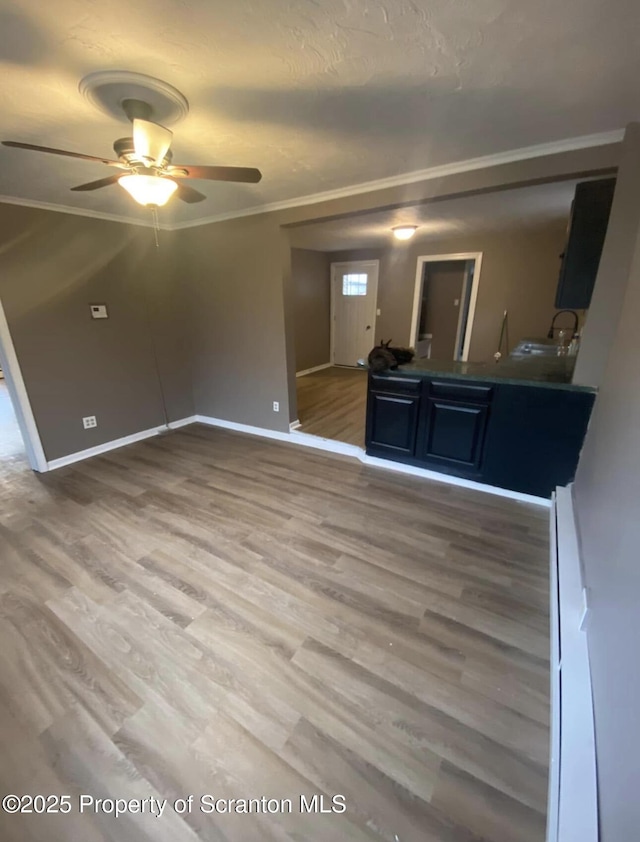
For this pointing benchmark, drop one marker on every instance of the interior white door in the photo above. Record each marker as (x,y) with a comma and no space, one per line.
(354,295)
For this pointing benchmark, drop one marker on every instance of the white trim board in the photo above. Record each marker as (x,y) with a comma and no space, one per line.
(524,153)
(573,807)
(315,368)
(114,444)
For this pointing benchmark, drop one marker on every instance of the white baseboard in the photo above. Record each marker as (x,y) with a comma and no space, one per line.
(436,476)
(573,806)
(329,445)
(183,422)
(311,370)
(79,455)
(262,432)
(295,425)
(295,436)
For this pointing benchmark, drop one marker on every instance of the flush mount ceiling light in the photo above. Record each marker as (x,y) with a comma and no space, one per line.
(149,190)
(404,232)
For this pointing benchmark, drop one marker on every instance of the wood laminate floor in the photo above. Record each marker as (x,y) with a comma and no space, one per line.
(211,613)
(332,404)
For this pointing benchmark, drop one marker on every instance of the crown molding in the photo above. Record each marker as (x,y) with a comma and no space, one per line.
(572,144)
(524,153)
(90,214)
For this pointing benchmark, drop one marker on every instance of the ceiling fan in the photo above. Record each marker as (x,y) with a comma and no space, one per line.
(149,177)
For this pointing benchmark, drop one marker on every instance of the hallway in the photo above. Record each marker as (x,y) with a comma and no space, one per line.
(332,404)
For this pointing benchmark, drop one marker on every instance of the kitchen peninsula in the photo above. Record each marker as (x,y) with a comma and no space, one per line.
(517,424)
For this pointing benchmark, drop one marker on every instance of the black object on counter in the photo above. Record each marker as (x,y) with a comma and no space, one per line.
(385,356)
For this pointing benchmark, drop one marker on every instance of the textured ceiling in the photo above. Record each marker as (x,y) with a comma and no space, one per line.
(526,207)
(319,94)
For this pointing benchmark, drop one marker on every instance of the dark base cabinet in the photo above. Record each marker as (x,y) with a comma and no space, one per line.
(534,441)
(523,437)
(454,424)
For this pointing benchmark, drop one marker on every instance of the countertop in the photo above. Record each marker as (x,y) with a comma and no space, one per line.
(550,372)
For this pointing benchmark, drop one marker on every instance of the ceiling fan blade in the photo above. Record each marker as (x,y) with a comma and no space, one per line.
(188,194)
(17,145)
(96,185)
(249,175)
(151,141)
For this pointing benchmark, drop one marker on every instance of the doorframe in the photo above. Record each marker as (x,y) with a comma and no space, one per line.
(332,314)
(20,398)
(475,281)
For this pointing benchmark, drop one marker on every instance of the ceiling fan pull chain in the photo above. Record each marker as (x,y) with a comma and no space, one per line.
(156,224)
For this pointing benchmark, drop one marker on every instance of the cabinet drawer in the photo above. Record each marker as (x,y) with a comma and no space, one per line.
(396,385)
(460,391)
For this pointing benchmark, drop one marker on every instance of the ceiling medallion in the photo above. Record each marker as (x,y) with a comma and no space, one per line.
(107,90)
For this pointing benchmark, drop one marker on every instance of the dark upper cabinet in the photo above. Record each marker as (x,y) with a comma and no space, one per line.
(587,230)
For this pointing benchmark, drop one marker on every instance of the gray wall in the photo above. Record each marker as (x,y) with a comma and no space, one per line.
(236,272)
(52,266)
(607,496)
(519,273)
(613,272)
(312,303)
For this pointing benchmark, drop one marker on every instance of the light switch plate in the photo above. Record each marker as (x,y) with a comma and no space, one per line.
(98,311)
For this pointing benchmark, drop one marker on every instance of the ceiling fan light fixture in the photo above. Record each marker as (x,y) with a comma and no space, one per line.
(404,232)
(149,190)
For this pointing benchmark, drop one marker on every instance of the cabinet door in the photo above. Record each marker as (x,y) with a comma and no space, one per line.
(454,434)
(392,422)
(587,230)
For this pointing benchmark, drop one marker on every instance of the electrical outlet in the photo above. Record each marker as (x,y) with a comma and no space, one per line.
(89,421)
(276,406)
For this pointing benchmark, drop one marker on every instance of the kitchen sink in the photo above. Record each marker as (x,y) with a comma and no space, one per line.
(535,348)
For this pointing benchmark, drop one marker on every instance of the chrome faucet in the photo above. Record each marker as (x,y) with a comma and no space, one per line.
(559,313)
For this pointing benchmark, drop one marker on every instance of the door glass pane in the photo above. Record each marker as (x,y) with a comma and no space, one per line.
(354,284)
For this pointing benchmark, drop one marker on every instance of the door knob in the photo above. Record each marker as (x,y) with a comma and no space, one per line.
(368,327)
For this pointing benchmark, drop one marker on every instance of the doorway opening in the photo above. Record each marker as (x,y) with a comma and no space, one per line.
(20,443)
(11,444)
(444,305)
